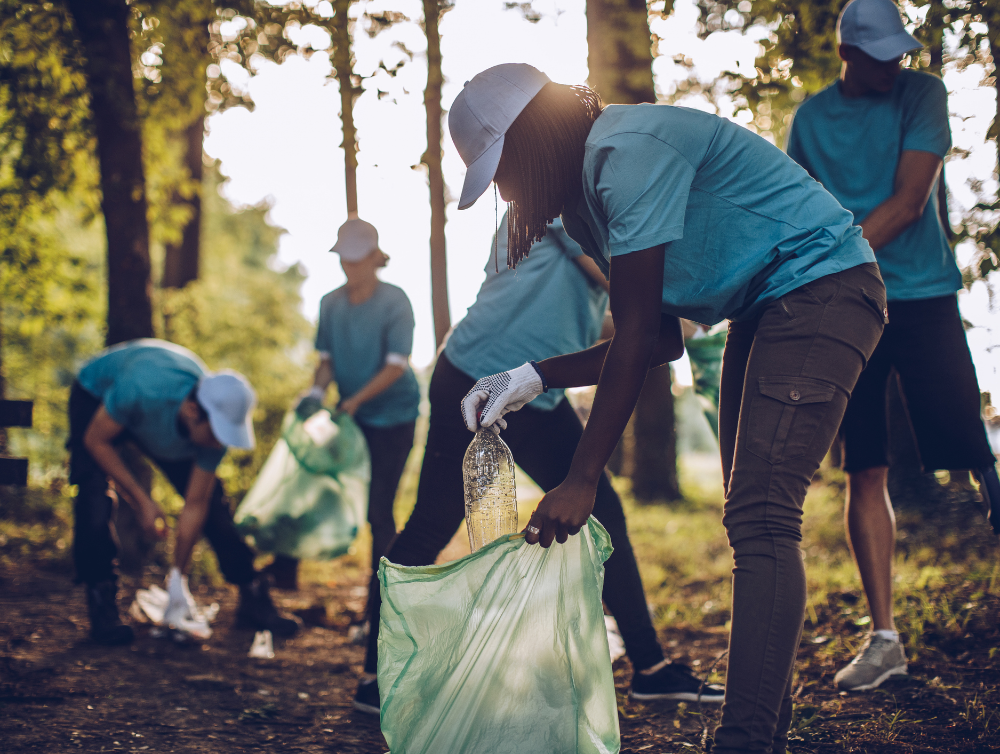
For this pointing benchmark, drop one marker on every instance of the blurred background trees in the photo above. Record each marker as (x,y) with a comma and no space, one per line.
(619,56)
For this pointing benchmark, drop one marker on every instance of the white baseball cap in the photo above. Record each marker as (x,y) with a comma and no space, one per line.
(875,27)
(356,239)
(229,400)
(481,115)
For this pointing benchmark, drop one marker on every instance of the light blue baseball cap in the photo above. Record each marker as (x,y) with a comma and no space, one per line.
(356,239)
(875,27)
(480,116)
(229,401)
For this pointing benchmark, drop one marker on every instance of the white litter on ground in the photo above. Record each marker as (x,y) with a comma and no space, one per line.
(173,612)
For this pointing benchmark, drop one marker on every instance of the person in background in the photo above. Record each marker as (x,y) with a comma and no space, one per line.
(163,398)
(364,339)
(690,216)
(553,303)
(875,139)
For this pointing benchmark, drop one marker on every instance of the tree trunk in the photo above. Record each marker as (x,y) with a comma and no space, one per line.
(619,51)
(435,176)
(103,29)
(343,64)
(620,58)
(181,260)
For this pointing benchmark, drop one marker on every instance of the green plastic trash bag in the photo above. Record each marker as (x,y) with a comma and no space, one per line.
(504,651)
(311,496)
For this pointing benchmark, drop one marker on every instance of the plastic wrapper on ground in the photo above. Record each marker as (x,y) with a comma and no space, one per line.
(311,496)
(504,651)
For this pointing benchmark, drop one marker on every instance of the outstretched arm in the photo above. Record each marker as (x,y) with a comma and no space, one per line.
(636,290)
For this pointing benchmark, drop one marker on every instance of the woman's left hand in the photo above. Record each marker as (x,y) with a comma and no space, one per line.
(561,513)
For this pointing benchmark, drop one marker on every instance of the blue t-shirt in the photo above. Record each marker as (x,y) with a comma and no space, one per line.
(358,338)
(742,223)
(852,146)
(546,307)
(142,384)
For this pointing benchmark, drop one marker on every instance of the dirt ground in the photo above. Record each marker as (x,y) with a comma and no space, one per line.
(59,692)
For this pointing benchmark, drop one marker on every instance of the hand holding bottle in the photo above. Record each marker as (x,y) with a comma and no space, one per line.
(499,394)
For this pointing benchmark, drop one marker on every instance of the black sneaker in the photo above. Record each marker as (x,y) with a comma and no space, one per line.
(106,626)
(677,682)
(367,700)
(257,611)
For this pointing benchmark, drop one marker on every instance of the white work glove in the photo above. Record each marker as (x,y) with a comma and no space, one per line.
(499,394)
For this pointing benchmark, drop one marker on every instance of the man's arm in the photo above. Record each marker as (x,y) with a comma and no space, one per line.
(192,518)
(97,440)
(915,176)
(378,384)
(324,373)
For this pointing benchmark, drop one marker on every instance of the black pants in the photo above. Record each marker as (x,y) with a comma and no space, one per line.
(925,342)
(543,444)
(94,548)
(389,447)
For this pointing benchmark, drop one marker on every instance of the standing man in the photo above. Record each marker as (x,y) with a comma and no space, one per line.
(163,398)
(364,339)
(875,138)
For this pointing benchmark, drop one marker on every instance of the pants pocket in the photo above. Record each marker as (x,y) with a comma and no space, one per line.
(785,415)
(877,303)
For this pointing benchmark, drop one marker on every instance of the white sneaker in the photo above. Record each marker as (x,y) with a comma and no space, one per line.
(878,660)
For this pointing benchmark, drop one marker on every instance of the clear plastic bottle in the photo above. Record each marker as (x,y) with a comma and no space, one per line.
(490,496)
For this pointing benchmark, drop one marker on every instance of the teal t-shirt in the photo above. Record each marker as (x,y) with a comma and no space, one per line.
(852,146)
(743,224)
(545,307)
(358,338)
(142,384)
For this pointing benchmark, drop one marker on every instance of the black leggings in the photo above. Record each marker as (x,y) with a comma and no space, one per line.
(543,444)
(94,549)
(388,447)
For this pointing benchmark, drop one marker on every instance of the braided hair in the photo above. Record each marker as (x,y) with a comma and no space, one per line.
(543,157)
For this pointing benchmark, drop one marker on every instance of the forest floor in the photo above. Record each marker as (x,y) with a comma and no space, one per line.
(59,692)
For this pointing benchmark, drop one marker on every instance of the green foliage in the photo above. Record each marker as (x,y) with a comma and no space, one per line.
(244,315)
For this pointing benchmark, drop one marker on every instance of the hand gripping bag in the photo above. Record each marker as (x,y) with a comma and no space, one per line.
(311,496)
(504,651)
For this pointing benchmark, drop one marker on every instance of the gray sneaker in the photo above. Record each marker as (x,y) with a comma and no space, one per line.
(878,659)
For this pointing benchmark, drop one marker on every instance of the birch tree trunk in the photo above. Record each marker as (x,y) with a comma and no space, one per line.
(435,177)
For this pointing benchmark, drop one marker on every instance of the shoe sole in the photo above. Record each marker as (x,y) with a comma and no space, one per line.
(366,708)
(898,670)
(679,697)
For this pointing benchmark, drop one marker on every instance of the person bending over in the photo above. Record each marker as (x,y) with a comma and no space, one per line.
(875,138)
(553,303)
(162,398)
(690,216)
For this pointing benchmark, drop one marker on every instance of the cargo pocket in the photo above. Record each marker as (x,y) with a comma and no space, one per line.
(785,416)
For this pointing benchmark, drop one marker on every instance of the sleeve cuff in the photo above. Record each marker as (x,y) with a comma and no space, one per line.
(397,360)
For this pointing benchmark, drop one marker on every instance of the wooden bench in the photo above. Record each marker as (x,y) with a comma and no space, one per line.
(15,414)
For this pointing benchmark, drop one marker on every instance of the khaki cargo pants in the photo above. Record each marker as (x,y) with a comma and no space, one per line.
(786,378)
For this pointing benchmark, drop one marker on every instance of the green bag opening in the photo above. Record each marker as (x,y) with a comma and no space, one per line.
(504,651)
